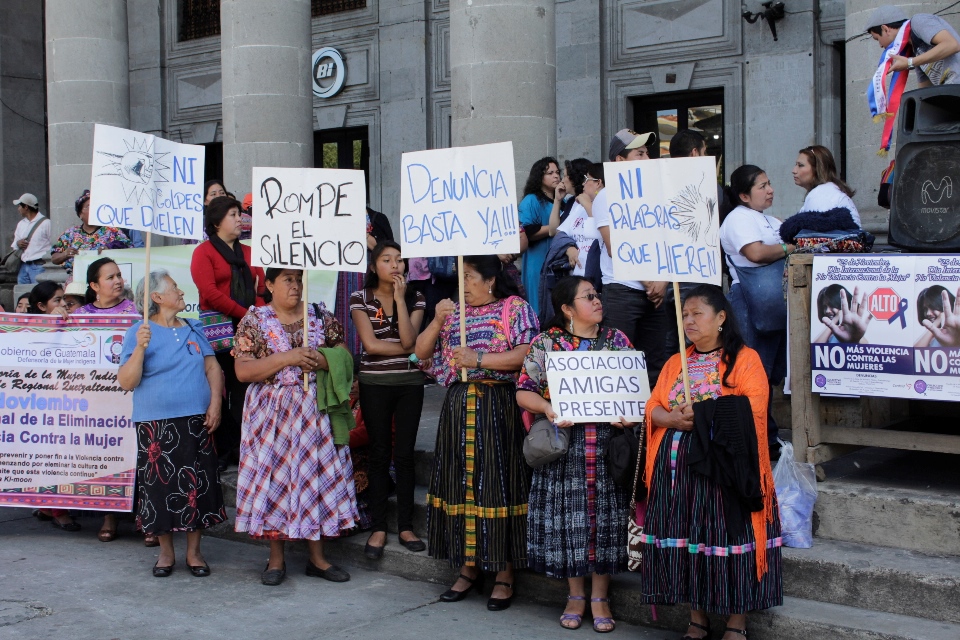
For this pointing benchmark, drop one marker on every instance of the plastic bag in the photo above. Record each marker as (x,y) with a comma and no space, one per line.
(796,484)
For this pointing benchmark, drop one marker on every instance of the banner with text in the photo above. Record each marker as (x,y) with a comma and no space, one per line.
(886,325)
(459,201)
(665,221)
(66,437)
(598,386)
(176,261)
(146,183)
(313,219)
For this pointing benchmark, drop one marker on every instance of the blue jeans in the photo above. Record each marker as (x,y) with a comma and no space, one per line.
(29,272)
(630,311)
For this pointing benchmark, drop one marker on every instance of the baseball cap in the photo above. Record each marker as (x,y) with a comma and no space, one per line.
(628,139)
(75,288)
(885,14)
(28,199)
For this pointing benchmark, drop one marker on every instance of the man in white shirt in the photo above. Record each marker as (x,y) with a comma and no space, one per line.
(34,245)
(634,307)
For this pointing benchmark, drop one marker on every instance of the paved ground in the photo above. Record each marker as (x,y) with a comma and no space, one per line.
(55,584)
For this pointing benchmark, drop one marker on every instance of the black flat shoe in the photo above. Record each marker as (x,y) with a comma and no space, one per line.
(456,596)
(702,628)
(501,604)
(416,545)
(66,526)
(372,552)
(200,571)
(162,572)
(42,517)
(333,573)
(273,577)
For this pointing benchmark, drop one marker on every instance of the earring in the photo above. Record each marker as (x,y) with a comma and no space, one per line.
(490,290)
(571,324)
(720,329)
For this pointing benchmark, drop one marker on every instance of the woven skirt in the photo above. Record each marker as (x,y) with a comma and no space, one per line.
(178,487)
(688,555)
(577,522)
(477,503)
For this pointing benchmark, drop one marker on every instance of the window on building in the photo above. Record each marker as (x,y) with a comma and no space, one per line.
(667,113)
(326,7)
(347,148)
(199,19)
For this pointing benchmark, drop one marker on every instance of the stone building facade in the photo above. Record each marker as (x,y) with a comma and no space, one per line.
(555,76)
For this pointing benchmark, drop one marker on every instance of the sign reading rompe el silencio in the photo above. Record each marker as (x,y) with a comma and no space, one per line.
(886,325)
(66,437)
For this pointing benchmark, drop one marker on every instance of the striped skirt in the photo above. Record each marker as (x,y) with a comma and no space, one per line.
(688,555)
(578,515)
(477,503)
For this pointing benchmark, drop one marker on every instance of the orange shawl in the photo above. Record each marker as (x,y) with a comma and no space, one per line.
(748,379)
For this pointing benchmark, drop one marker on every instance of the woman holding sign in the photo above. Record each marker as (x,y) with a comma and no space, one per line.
(477,501)
(696,547)
(177,385)
(85,236)
(294,481)
(574,532)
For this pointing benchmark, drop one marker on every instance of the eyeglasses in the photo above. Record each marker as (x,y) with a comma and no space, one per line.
(590,297)
(589,179)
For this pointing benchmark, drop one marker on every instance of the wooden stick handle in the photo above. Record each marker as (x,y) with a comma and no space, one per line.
(683,342)
(463,317)
(146,281)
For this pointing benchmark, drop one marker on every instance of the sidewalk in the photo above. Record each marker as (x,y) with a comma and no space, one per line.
(55,584)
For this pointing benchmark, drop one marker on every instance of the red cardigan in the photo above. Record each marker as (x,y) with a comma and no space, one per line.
(211,274)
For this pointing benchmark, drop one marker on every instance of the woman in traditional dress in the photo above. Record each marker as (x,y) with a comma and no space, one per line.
(85,237)
(477,500)
(294,482)
(177,385)
(577,522)
(692,551)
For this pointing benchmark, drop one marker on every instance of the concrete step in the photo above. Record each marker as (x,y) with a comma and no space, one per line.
(927,521)
(797,619)
(870,577)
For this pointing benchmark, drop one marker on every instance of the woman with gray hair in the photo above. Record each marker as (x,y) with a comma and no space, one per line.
(177,386)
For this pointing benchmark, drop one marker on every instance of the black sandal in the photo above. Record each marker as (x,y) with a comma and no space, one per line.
(742,632)
(702,628)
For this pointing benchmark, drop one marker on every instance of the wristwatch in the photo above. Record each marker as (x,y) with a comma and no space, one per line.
(910,64)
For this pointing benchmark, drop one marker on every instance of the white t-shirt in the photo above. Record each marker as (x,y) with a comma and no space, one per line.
(826,196)
(40,240)
(602,218)
(742,227)
(581,227)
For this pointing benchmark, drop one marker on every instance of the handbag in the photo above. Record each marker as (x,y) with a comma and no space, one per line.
(545,443)
(10,263)
(637,511)
(218,329)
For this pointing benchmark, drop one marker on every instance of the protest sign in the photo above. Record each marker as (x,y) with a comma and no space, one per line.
(311,219)
(143,182)
(879,326)
(665,221)
(66,437)
(598,386)
(176,261)
(459,201)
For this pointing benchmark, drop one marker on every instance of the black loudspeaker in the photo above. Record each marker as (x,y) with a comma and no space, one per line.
(925,207)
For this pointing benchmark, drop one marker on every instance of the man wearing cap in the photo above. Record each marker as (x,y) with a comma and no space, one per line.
(634,307)
(32,237)
(935,44)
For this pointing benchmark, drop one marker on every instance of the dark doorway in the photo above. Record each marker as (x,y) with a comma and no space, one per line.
(667,113)
(347,148)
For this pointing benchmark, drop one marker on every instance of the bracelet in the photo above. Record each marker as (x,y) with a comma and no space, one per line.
(479,359)
(783,245)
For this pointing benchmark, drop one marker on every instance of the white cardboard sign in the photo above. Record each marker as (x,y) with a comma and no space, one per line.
(143,182)
(459,201)
(665,219)
(312,219)
(598,386)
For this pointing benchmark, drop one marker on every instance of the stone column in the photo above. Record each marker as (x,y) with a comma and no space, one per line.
(503,67)
(87,83)
(267,87)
